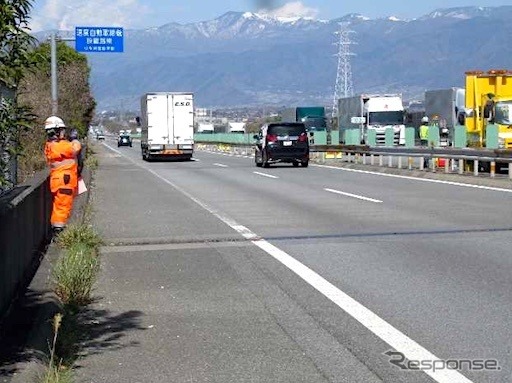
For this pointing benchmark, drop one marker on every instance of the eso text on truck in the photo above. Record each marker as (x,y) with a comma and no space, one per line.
(167,122)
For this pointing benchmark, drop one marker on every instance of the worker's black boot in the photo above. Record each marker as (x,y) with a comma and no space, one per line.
(56,232)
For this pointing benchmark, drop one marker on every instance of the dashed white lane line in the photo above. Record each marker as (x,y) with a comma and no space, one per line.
(353,195)
(265,175)
(461,184)
(378,326)
(220,165)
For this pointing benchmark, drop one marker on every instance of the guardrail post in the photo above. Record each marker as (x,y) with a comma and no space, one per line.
(372,159)
(409,161)
(400,162)
(349,160)
(433,164)
(493,169)
(475,168)
(447,162)
(422,163)
(381,160)
(510,170)
(390,161)
(461,166)
(364,158)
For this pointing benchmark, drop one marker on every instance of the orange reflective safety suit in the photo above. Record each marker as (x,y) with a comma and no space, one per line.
(61,156)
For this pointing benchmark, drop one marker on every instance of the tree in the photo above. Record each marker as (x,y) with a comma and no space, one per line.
(76,104)
(15,45)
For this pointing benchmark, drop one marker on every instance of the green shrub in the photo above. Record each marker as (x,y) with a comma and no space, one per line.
(75,273)
(79,234)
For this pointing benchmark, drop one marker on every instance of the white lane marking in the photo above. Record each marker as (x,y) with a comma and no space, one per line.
(451,183)
(353,195)
(220,165)
(195,159)
(265,175)
(378,326)
(461,184)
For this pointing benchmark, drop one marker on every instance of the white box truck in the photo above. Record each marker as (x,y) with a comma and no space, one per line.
(167,122)
(373,112)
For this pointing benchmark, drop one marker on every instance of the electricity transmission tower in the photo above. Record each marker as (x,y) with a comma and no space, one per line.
(344,86)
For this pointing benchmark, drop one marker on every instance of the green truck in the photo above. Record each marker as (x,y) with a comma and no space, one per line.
(313,117)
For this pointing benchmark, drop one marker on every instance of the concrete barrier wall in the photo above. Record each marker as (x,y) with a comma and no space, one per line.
(24,230)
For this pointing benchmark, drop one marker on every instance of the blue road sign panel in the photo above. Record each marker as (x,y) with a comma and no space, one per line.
(99,39)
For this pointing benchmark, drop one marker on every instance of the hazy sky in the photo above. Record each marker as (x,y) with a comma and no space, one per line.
(66,14)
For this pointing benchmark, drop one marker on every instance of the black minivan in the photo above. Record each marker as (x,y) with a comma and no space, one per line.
(282,142)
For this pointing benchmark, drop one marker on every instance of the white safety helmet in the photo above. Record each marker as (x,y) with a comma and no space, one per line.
(424,119)
(54,122)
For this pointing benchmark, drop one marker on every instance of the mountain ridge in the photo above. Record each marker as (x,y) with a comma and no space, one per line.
(244,59)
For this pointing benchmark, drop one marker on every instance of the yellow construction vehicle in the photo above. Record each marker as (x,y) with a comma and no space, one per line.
(489,101)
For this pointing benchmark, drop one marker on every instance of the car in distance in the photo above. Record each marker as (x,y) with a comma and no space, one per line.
(124,140)
(100,135)
(282,142)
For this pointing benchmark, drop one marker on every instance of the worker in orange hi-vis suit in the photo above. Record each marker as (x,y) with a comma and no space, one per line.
(61,157)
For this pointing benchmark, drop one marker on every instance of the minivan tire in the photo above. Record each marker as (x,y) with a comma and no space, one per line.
(265,161)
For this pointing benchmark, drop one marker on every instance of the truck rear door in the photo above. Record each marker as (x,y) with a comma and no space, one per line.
(158,128)
(182,106)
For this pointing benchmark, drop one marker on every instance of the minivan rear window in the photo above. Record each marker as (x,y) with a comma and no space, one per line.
(286,130)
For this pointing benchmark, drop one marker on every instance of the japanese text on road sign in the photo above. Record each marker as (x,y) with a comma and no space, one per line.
(99,39)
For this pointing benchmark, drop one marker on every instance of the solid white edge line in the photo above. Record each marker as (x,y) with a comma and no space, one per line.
(378,326)
(266,175)
(353,195)
(220,165)
(452,183)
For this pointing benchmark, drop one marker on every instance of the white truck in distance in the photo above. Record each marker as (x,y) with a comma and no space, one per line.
(206,128)
(373,112)
(237,127)
(167,122)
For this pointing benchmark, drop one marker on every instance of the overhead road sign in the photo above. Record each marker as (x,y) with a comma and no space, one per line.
(99,39)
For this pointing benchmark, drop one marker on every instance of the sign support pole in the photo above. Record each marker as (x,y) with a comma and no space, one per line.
(53,55)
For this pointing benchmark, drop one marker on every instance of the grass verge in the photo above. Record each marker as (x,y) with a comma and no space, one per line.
(74,275)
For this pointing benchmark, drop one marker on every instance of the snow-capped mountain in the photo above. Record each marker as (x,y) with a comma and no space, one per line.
(249,59)
(463,12)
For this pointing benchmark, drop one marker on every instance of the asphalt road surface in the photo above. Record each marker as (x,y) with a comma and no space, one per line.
(214,270)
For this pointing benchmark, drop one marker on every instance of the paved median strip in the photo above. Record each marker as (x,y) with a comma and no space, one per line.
(353,195)
(265,175)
